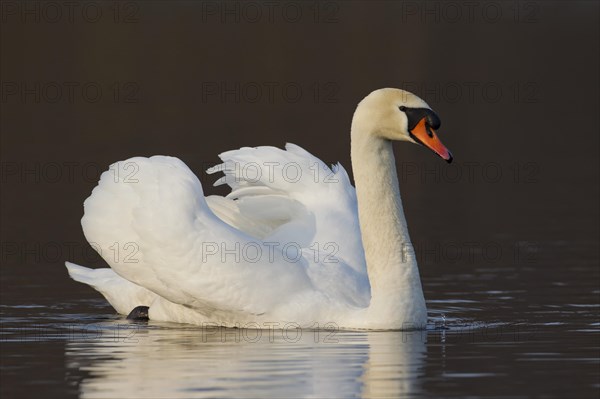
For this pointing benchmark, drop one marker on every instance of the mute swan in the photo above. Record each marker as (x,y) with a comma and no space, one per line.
(293,244)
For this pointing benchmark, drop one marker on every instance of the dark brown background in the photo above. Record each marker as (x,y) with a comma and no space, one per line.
(528,132)
(533,110)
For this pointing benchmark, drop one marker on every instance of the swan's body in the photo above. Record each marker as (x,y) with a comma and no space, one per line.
(285,248)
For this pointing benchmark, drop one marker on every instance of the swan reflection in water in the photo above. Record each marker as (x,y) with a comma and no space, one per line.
(135,360)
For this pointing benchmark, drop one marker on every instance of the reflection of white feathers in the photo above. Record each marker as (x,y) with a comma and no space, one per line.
(284,245)
(128,361)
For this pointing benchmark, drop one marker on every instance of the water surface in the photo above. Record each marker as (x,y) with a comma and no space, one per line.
(494,340)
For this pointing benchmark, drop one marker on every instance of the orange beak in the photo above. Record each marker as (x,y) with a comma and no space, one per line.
(423,134)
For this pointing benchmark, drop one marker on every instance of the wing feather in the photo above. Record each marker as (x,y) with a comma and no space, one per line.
(193,251)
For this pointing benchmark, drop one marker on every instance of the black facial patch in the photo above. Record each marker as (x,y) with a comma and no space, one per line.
(414,115)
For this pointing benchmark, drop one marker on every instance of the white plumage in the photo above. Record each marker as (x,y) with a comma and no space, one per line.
(285,246)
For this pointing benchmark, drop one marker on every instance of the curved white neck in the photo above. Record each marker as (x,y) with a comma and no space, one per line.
(396,292)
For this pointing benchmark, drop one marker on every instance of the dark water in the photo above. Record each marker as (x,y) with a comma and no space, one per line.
(506,237)
(496,331)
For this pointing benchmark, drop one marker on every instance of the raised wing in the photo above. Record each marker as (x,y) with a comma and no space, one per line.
(297,196)
(150,221)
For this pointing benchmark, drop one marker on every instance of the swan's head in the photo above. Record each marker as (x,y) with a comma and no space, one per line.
(395,114)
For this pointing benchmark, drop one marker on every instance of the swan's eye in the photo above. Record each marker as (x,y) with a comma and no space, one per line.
(402,108)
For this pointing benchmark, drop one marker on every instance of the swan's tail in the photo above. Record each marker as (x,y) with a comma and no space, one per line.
(123,295)
(85,275)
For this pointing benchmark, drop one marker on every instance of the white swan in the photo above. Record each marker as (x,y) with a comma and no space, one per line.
(293,243)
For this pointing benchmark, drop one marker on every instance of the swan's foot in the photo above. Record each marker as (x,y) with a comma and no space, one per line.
(139,313)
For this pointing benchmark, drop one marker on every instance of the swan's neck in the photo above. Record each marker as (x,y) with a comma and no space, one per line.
(396,292)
